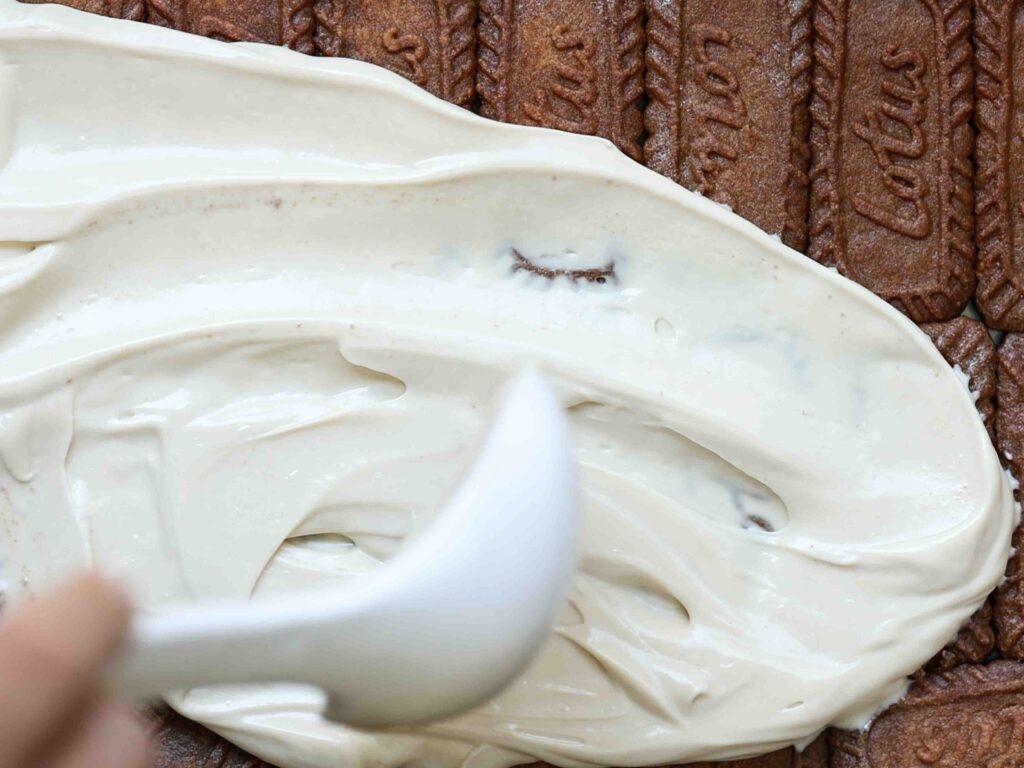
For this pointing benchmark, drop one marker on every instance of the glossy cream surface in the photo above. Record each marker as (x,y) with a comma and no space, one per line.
(253,306)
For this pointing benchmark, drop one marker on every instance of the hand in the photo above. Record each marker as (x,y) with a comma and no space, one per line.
(55,711)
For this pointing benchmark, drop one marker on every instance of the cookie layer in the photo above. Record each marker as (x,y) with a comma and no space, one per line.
(892,180)
(999,184)
(728,84)
(575,65)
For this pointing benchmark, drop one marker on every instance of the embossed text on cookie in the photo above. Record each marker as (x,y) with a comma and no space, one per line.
(431,43)
(967,717)
(892,180)
(728,82)
(575,66)
(892,128)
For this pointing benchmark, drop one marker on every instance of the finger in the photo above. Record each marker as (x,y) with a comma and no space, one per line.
(52,654)
(111,735)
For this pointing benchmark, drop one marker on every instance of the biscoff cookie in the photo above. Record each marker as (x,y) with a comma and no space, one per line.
(999,183)
(728,84)
(433,44)
(280,22)
(891,177)
(575,65)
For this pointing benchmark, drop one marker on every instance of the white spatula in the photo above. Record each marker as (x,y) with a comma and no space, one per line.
(444,626)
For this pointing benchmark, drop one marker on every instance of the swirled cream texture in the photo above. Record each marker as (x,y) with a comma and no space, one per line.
(252,305)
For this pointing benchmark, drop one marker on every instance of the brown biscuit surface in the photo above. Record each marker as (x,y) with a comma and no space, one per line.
(1008,603)
(891,178)
(728,83)
(119,9)
(180,743)
(430,42)
(280,22)
(575,65)
(966,344)
(999,183)
(968,717)
(815,756)
(973,644)
(783,758)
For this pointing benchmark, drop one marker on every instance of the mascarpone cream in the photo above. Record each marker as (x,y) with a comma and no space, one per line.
(252,305)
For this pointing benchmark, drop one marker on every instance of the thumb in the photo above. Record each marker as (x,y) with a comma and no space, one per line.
(53,653)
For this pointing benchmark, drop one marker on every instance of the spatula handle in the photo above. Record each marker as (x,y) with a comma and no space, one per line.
(211,644)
